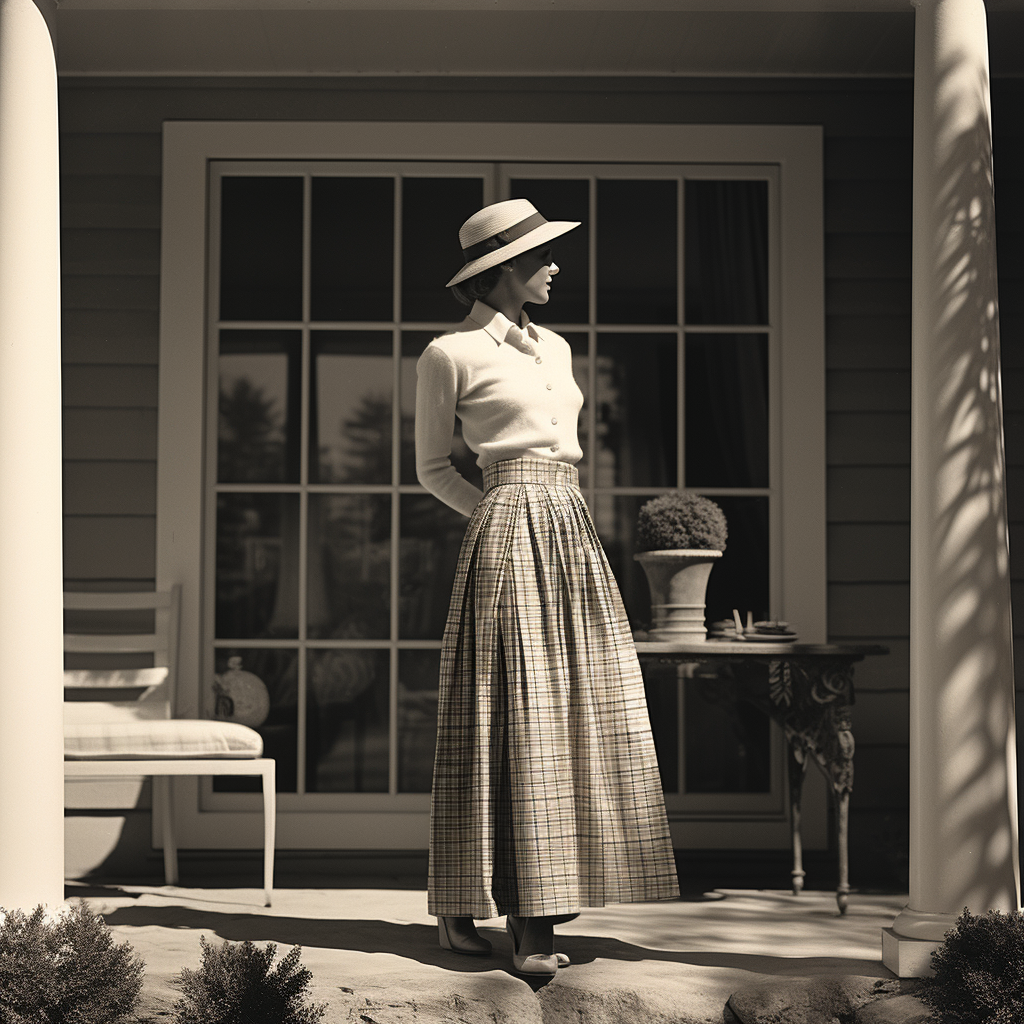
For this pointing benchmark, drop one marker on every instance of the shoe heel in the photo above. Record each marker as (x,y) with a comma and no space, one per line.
(442,934)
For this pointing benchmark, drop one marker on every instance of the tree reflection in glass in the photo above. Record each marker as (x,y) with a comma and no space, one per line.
(349,566)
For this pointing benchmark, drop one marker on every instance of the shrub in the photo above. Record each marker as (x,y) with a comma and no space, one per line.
(681,520)
(979,971)
(235,985)
(65,969)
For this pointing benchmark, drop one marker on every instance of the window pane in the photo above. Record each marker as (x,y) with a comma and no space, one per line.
(347,722)
(727,410)
(740,577)
(726,252)
(727,739)
(615,519)
(349,565)
(257,565)
(417,719)
(433,210)
(258,407)
(431,537)
(637,407)
(352,252)
(563,199)
(350,415)
(636,252)
(261,248)
(463,458)
(278,670)
(662,691)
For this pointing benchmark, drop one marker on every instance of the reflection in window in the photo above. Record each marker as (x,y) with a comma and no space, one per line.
(257,565)
(347,721)
(349,566)
(258,406)
(350,407)
(417,719)
(277,669)
(431,538)
(727,739)
(637,405)
(726,410)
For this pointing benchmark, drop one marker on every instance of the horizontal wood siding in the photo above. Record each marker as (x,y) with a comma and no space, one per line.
(111,180)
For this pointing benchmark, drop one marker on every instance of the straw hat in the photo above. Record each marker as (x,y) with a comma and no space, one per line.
(515,224)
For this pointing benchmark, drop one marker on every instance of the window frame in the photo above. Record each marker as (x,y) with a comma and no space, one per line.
(799,478)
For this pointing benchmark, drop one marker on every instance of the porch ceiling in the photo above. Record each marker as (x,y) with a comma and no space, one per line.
(512,37)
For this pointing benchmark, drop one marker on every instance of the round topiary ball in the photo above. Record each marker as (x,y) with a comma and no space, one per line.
(681,521)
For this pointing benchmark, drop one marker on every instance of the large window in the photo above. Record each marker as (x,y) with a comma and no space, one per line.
(329,569)
(325,566)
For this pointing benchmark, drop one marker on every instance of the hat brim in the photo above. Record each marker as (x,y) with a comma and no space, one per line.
(538,236)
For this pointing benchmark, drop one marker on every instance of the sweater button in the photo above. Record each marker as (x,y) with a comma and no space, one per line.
(548,386)
(554,420)
(554,447)
(538,360)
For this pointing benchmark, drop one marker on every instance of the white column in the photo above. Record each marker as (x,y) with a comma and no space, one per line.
(963,827)
(31,743)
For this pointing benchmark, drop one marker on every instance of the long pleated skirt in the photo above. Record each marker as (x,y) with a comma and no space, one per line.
(546,793)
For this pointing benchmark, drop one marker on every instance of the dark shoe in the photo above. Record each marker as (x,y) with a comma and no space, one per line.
(460,936)
(536,964)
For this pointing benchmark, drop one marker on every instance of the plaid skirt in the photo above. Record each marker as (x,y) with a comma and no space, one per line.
(546,793)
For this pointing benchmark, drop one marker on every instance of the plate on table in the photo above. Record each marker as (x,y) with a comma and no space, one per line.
(770,638)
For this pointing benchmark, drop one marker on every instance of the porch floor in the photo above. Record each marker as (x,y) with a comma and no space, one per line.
(375,958)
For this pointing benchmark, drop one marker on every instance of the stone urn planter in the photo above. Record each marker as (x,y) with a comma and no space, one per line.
(680,536)
(678,580)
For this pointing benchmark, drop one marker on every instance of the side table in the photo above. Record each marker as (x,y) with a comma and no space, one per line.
(808,692)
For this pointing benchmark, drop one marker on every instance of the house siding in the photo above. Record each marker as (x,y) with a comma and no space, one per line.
(111,162)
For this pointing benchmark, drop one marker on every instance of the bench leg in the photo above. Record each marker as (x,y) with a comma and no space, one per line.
(269,829)
(164,791)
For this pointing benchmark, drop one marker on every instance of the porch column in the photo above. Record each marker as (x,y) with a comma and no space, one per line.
(963,819)
(31,743)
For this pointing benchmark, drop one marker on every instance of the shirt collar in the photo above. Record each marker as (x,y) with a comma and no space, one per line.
(497,324)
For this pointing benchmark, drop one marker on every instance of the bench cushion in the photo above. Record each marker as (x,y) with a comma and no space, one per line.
(174,738)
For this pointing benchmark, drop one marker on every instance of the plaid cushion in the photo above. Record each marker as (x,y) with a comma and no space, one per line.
(546,796)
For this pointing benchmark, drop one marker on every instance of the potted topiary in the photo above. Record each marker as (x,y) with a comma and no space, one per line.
(679,537)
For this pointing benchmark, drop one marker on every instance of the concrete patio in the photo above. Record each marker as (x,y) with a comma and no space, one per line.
(375,958)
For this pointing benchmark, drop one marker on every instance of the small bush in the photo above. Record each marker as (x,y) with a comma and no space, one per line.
(979,971)
(681,521)
(65,969)
(235,985)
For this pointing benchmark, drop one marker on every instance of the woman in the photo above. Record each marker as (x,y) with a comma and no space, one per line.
(546,792)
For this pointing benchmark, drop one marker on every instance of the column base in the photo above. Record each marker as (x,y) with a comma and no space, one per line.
(907,958)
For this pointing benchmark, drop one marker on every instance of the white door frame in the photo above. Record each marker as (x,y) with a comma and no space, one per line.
(187,149)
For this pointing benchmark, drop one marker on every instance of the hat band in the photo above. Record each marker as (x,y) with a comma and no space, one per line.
(524,227)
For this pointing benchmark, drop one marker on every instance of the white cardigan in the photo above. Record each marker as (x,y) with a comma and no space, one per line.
(511,387)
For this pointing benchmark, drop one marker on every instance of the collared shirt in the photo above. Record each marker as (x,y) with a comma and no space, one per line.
(510,385)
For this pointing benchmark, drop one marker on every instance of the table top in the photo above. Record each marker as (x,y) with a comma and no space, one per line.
(757,648)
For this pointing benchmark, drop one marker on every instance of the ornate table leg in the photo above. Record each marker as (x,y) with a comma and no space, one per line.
(843,821)
(797,770)
(814,709)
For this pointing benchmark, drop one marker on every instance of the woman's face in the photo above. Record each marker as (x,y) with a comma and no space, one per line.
(532,273)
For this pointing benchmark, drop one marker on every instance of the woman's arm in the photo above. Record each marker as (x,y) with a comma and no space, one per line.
(437,393)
